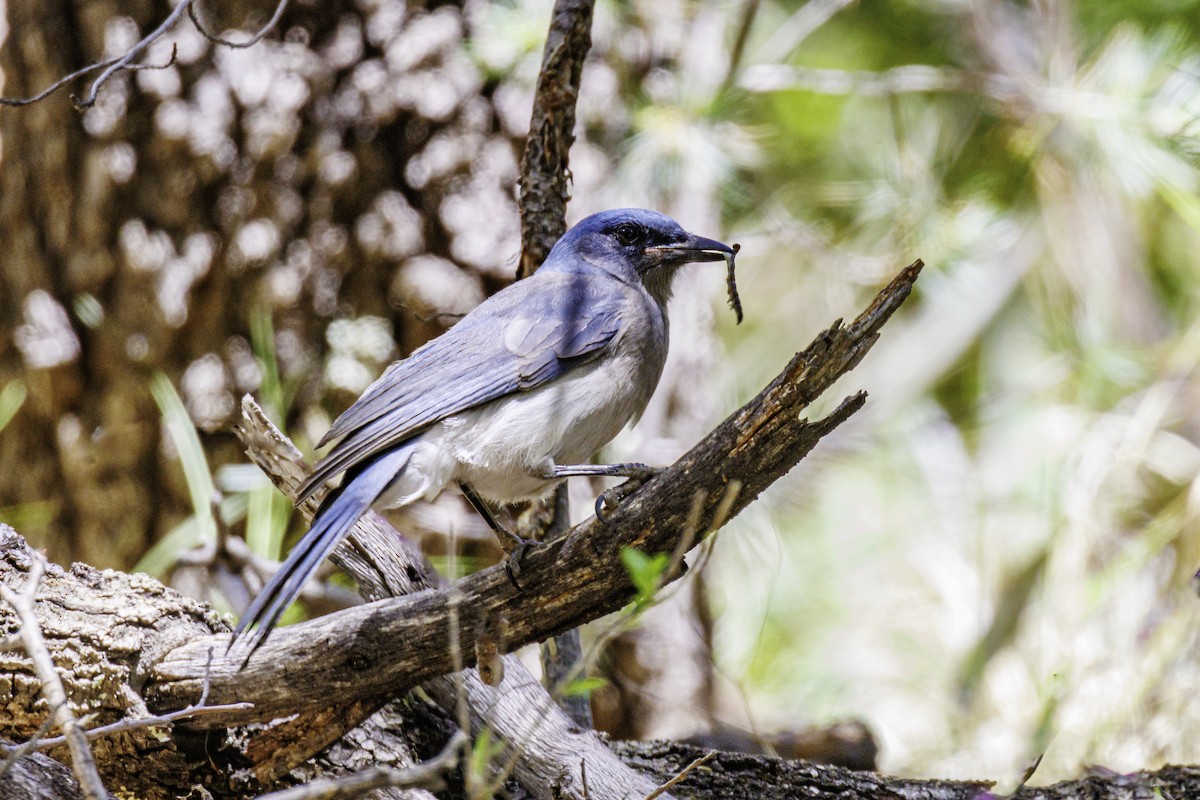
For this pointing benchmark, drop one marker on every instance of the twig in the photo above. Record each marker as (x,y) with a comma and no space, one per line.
(253,40)
(17,752)
(699,762)
(544,193)
(79,73)
(798,27)
(124,725)
(126,61)
(749,12)
(429,775)
(84,766)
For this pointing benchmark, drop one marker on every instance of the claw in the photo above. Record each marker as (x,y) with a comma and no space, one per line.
(512,561)
(609,499)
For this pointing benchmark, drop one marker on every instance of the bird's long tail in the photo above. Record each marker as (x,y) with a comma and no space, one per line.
(332,522)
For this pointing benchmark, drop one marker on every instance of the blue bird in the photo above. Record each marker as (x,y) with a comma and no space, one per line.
(517,396)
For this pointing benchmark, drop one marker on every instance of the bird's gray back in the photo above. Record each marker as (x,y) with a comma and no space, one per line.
(521,338)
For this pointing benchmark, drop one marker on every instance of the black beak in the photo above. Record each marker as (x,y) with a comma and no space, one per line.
(694,248)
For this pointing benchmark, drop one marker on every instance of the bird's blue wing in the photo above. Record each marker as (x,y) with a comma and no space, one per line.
(520,339)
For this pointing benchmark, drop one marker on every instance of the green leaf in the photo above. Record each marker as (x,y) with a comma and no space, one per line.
(645,571)
(11,400)
(582,687)
(191,453)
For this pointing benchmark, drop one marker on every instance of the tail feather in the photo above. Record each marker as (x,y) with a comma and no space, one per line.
(333,521)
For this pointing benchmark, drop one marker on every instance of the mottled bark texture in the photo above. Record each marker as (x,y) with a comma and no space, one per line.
(104,629)
(352,167)
(545,170)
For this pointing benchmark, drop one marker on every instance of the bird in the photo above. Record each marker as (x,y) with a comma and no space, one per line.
(517,396)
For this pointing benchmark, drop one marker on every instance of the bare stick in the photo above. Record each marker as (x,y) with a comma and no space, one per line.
(23,749)
(543,204)
(428,775)
(253,40)
(699,762)
(544,164)
(52,689)
(79,73)
(126,61)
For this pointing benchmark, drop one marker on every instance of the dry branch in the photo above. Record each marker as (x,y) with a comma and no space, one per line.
(387,647)
(544,170)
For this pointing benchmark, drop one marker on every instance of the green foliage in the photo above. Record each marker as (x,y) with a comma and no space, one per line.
(186,439)
(269,512)
(12,397)
(646,572)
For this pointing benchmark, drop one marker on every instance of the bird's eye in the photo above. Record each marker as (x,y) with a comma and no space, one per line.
(627,233)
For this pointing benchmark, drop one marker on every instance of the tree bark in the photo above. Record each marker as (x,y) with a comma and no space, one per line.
(106,609)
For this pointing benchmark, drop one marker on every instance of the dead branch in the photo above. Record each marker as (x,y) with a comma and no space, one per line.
(544,164)
(543,204)
(426,775)
(387,647)
(126,62)
(52,687)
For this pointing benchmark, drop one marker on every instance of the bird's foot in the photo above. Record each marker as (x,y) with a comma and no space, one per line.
(513,556)
(609,499)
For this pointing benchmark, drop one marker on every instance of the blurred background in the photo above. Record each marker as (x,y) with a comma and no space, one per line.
(990,562)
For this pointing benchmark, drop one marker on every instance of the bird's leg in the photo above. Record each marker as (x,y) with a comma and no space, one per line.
(512,562)
(609,499)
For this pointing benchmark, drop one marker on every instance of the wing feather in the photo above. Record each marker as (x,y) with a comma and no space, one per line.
(520,339)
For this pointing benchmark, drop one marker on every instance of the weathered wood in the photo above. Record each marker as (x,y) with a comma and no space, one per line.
(389,646)
(104,629)
(737,776)
(37,776)
(544,164)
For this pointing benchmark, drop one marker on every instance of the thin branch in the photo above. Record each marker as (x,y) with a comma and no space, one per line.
(544,164)
(17,102)
(19,751)
(798,27)
(544,193)
(253,40)
(428,775)
(52,688)
(125,62)
(699,762)
(738,52)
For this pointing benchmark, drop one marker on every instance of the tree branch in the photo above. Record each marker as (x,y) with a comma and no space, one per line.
(387,647)
(544,165)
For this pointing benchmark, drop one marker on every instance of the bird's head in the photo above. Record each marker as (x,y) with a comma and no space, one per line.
(635,244)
